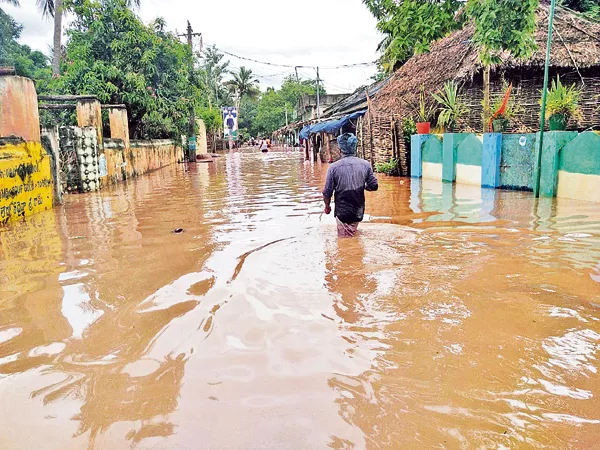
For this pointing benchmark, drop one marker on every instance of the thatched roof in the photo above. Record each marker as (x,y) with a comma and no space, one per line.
(575,44)
(356,101)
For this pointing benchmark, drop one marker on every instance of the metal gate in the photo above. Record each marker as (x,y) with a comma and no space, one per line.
(516,163)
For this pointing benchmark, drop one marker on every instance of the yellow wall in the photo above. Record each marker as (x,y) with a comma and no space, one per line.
(140,158)
(25,180)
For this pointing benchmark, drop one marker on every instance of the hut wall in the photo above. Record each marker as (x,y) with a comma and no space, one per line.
(527,86)
(381,139)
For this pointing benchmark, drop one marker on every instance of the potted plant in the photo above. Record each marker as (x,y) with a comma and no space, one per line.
(505,110)
(562,103)
(451,108)
(424,113)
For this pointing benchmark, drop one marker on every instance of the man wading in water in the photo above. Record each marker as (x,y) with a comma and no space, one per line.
(348,178)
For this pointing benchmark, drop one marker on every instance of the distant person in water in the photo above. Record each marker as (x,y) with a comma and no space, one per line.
(264,146)
(347,179)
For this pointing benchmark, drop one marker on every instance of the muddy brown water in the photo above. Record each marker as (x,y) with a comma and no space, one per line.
(459,318)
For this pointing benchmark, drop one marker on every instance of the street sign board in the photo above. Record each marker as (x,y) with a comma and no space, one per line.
(230,122)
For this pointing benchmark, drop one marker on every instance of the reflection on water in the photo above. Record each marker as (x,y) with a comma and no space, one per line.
(459,317)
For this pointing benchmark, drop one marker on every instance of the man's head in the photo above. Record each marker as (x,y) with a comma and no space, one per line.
(347,143)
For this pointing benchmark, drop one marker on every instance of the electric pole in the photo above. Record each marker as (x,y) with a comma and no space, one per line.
(318,96)
(191,153)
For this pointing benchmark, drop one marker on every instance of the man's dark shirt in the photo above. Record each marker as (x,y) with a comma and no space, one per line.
(348,178)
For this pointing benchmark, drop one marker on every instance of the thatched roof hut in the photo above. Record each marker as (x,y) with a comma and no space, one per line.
(575,56)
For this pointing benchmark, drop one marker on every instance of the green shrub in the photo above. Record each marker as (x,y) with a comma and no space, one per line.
(563,100)
(388,168)
(451,108)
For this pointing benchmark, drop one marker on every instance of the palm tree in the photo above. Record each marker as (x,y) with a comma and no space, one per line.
(55,9)
(11,2)
(211,74)
(243,85)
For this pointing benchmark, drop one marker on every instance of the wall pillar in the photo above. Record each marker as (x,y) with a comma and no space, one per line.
(202,145)
(490,160)
(449,157)
(19,115)
(554,141)
(119,124)
(89,114)
(416,154)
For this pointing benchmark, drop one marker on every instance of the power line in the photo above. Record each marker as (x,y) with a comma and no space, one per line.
(342,66)
(271,75)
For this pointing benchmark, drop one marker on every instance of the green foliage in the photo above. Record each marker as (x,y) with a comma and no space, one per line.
(408,128)
(247,116)
(425,110)
(563,100)
(409,26)
(590,8)
(503,25)
(451,108)
(243,84)
(388,168)
(211,75)
(113,55)
(27,63)
(213,120)
(272,105)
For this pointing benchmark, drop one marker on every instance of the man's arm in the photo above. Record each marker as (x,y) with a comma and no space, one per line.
(371,183)
(327,201)
(328,191)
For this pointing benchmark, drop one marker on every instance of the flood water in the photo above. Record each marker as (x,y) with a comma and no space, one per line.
(459,318)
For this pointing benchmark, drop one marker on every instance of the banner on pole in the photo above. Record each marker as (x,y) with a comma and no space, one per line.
(230,122)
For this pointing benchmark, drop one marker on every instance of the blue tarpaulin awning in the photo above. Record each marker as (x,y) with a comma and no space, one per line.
(330,126)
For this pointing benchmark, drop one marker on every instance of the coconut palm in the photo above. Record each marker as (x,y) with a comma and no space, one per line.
(11,2)
(243,85)
(55,9)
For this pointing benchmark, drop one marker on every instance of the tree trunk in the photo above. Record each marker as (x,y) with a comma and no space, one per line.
(486,97)
(58,13)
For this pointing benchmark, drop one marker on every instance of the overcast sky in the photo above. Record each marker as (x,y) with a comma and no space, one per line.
(308,32)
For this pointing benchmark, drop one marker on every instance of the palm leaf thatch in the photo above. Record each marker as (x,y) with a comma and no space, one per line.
(576,46)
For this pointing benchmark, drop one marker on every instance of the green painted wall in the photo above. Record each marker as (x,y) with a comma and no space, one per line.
(554,143)
(517,161)
(469,150)
(581,155)
(432,150)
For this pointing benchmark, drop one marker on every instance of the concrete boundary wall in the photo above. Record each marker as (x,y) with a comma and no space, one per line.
(26,185)
(139,158)
(570,161)
(578,171)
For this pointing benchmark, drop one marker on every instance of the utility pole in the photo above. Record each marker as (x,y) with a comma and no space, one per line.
(286,116)
(191,153)
(318,96)
(538,168)
(297,78)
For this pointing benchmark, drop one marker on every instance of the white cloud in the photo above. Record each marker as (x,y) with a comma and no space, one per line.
(326,33)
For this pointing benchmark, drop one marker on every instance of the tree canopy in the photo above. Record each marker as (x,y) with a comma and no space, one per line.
(272,105)
(111,54)
(410,26)
(503,25)
(27,62)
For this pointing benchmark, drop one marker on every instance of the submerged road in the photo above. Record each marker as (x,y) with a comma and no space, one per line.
(458,319)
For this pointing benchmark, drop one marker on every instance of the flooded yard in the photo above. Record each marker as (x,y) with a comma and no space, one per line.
(459,318)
